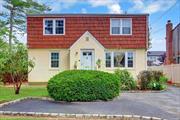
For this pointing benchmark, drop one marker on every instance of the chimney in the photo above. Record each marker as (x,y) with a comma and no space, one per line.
(169,51)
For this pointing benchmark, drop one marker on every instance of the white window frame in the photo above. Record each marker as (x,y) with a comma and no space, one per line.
(54,25)
(120,19)
(110,61)
(126,60)
(54,68)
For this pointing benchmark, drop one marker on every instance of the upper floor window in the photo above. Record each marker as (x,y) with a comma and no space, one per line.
(54,27)
(121,26)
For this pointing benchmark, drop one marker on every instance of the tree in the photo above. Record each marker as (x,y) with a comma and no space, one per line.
(3,34)
(16,15)
(16,64)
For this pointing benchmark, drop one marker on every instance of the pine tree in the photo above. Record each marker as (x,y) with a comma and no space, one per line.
(15,15)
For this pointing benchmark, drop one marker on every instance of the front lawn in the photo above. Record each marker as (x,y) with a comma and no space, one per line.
(7,93)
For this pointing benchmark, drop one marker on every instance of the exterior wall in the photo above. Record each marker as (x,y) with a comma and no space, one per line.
(42,71)
(176,44)
(91,44)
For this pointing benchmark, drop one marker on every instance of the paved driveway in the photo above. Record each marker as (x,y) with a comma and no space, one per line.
(164,104)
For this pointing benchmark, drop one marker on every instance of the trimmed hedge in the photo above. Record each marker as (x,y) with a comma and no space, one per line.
(83,85)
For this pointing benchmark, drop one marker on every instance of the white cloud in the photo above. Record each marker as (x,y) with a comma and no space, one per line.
(112,5)
(151,6)
(83,10)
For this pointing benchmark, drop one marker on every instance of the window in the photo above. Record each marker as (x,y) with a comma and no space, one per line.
(59,26)
(54,60)
(49,27)
(130,59)
(108,59)
(54,26)
(126,26)
(120,26)
(116,26)
(119,59)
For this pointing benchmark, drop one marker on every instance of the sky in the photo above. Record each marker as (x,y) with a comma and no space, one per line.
(159,12)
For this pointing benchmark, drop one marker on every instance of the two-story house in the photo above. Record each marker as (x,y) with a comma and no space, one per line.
(106,42)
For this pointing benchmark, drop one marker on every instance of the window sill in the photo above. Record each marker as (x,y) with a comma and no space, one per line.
(53,34)
(121,68)
(120,34)
(54,69)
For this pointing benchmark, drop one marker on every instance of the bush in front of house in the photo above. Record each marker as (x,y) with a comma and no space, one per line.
(83,85)
(126,80)
(153,80)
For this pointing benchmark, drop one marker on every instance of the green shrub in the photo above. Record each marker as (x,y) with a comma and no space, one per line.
(144,78)
(126,80)
(83,85)
(154,80)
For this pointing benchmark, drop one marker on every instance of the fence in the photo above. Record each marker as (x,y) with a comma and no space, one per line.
(171,71)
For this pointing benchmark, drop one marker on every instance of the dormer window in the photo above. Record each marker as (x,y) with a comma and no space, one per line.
(120,26)
(54,26)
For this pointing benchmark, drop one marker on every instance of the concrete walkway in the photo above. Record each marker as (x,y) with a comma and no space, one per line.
(164,104)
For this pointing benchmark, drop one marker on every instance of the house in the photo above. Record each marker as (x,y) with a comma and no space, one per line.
(155,58)
(106,42)
(172,43)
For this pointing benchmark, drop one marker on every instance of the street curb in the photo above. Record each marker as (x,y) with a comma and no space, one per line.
(40,114)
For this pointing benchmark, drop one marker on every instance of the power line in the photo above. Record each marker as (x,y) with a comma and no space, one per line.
(164,13)
(158,30)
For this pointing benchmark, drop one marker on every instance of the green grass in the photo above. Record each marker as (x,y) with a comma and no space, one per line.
(7,93)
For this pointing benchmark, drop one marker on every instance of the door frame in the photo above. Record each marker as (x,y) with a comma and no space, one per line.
(93,57)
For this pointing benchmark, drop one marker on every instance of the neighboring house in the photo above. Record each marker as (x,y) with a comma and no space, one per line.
(106,42)
(155,58)
(172,43)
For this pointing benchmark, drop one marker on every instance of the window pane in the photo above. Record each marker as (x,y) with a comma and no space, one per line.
(54,64)
(126,30)
(54,60)
(126,26)
(108,59)
(130,59)
(59,30)
(115,26)
(126,22)
(59,26)
(119,59)
(48,26)
(115,30)
(59,23)
(115,22)
(54,56)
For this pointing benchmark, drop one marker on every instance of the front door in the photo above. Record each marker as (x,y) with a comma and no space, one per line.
(87,59)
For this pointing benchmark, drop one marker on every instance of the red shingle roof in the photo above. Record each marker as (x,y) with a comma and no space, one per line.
(77,25)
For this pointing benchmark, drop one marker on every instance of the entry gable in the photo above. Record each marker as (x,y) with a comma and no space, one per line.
(87,39)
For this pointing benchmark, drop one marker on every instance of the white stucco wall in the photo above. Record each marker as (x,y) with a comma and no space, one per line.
(42,71)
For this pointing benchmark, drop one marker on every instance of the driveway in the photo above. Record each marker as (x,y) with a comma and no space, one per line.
(164,104)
